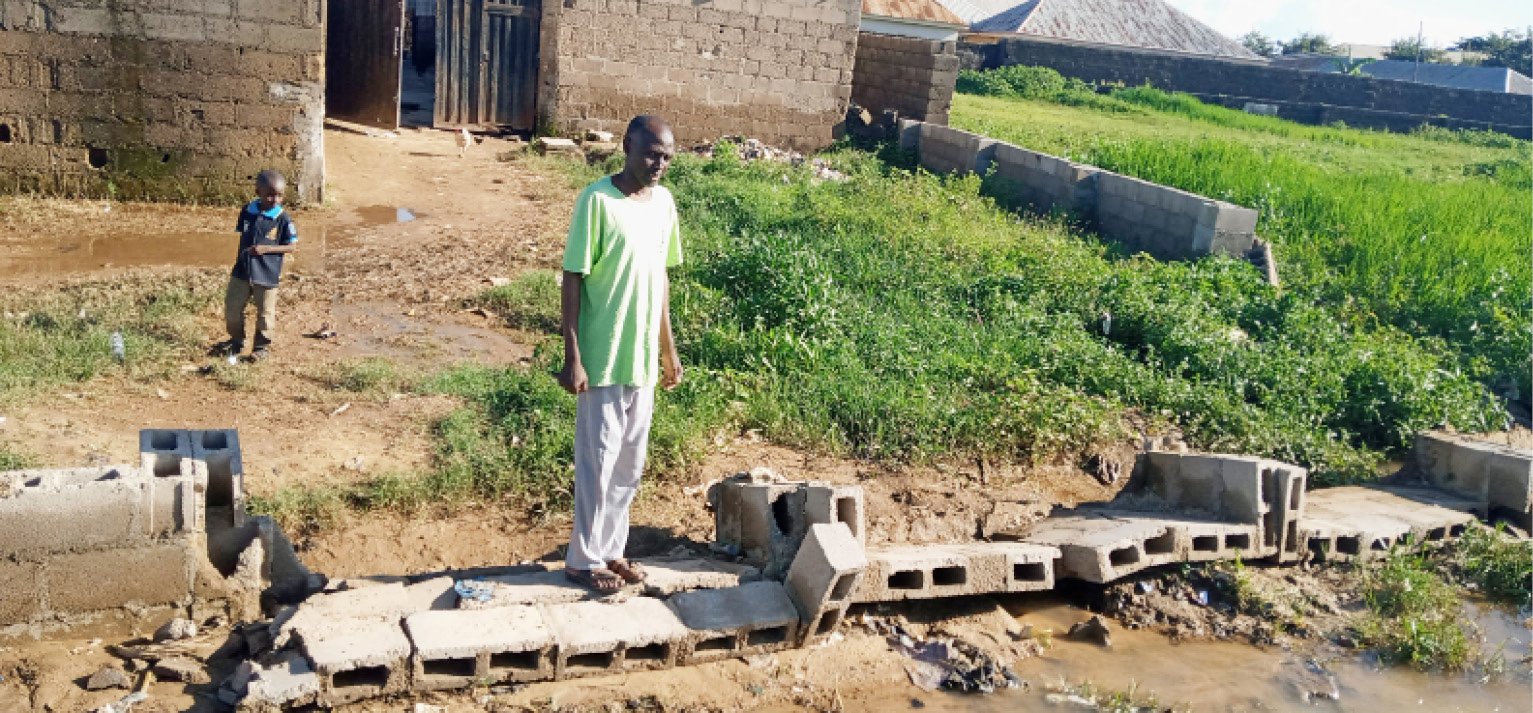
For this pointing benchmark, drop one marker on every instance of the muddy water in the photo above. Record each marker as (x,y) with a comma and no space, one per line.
(1222,676)
(52,254)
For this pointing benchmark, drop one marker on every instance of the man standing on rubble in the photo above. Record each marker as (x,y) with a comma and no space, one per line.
(616,323)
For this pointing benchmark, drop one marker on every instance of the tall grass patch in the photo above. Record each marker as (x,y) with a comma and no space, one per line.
(1426,233)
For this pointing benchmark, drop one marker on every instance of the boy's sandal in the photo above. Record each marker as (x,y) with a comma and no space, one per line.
(601,579)
(631,572)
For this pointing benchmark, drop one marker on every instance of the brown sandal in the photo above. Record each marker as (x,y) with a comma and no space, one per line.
(630,572)
(601,579)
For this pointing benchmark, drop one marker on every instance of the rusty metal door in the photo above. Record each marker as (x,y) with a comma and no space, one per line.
(487,63)
(363,43)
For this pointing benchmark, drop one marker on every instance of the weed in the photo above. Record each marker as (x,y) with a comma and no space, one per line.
(13,458)
(373,376)
(302,508)
(1413,614)
(240,376)
(1499,566)
(530,302)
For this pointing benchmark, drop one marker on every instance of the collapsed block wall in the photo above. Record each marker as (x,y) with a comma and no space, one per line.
(1168,223)
(152,100)
(776,70)
(88,539)
(1307,97)
(912,76)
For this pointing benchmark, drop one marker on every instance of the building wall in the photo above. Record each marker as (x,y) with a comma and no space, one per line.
(151,99)
(914,77)
(1308,97)
(776,70)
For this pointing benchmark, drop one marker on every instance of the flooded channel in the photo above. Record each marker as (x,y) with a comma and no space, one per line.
(1227,676)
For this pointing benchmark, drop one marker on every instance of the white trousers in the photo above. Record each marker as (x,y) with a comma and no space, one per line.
(611,438)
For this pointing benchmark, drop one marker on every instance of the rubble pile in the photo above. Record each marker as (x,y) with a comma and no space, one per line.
(748,149)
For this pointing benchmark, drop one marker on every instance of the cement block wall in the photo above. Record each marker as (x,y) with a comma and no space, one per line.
(1165,222)
(776,70)
(911,76)
(148,99)
(1308,97)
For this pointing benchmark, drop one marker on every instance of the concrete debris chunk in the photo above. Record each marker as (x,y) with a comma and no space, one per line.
(669,575)
(184,670)
(1093,630)
(287,682)
(108,676)
(750,619)
(175,630)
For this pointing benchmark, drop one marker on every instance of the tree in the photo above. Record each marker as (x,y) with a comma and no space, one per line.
(1307,43)
(1503,49)
(1259,43)
(1406,48)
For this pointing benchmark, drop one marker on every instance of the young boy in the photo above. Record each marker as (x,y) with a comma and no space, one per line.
(617,330)
(267,235)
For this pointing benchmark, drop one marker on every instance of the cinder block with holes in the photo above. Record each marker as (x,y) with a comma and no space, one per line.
(898,572)
(358,658)
(1237,489)
(456,648)
(216,459)
(827,569)
(1100,548)
(753,618)
(765,520)
(165,453)
(825,504)
(600,637)
(1360,524)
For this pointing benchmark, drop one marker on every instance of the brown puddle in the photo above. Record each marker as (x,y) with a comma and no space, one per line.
(1229,676)
(52,254)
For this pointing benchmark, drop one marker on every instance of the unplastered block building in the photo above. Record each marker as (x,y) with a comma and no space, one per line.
(155,99)
(776,70)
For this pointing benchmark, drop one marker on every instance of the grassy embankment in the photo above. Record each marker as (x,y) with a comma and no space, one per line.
(906,317)
(1427,232)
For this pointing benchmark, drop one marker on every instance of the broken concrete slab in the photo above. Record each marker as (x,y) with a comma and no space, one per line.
(287,682)
(108,676)
(827,569)
(825,503)
(318,614)
(1497,477)
(547,587)
(457,648)
(181,669)
(357,658)
(601,637)
(753,618)
(766,520)
(668,575)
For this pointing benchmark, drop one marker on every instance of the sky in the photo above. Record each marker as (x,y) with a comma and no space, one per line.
(1374,22)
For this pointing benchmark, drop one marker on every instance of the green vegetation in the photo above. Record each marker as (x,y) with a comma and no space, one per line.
(530,302)
(1414,614)
(1424,233)
(373,376)
(13,458)
(1499,566)
(55,338)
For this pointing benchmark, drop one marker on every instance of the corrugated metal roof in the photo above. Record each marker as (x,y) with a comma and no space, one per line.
(1130,23)
(1457,76)
(922,10)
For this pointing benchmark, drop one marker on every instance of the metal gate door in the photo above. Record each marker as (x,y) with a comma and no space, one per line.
(487,63)
(362,63)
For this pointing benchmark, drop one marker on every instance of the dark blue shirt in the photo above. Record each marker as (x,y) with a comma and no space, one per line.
(258,227)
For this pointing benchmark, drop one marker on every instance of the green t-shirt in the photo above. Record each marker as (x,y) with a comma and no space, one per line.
(623,247)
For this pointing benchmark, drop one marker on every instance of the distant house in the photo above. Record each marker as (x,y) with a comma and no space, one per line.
(907,58)
(1457,76)
(1130,23)
(924,19)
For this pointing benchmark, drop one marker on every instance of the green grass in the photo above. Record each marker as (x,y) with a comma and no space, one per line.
(1499,566)
(13,458)
(59,337)
(1427,233)
(376,377)
(1414,614)
(530,302)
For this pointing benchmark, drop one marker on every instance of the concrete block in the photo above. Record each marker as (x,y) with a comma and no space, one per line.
(753,618)
(826,504)
(165,453)
(550,587)
(766,520)
(40,521)
(1236,219)
(900,572)
(910,135)
(602,637)
(1360,524)
(357,658)
(1099,548)
(150,574)
(318,615)
(454,649)
(217,453)
(435,594)
(22,583)
(289,682)
(827,569)
(668,575)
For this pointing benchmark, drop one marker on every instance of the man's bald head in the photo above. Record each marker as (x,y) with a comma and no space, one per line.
(648,148)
